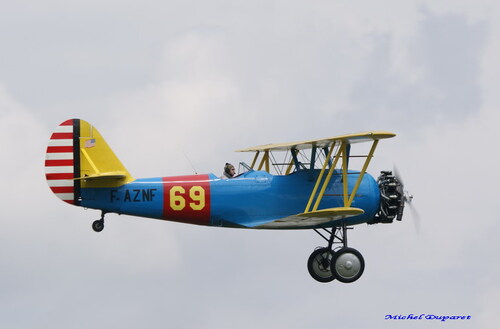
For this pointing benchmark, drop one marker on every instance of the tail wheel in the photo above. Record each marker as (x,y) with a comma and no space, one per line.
(319,265)
(98,225)
(347,265)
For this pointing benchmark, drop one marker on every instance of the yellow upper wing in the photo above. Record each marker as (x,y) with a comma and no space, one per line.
(324,142)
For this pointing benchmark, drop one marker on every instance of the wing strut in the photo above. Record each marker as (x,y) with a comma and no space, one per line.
(255,159)
(265,161)
(292,161)
(343,151)
(320,178)
(344,173)
(328,177)
(360,177)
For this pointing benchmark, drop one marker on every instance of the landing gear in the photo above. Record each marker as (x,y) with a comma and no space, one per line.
(342,263)
(98,225)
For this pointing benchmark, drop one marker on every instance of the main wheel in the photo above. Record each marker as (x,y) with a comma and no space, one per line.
(348,265)
(319,265)
(98,225)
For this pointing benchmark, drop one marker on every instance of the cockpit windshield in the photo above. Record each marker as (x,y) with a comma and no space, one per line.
(243,168)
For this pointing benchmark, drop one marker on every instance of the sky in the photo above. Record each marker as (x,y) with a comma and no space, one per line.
(174,85)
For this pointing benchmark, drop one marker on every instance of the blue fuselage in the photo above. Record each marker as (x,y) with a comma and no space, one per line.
(247,201)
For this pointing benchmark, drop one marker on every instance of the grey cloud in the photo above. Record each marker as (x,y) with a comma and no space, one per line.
(445,57)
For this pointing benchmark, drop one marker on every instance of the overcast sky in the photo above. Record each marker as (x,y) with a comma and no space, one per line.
(204,78)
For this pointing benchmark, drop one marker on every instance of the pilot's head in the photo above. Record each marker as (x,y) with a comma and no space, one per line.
(229,170)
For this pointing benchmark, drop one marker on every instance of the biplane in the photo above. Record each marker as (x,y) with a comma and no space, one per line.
(302,185)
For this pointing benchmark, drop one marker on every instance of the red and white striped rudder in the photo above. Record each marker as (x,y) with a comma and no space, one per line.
(62,161)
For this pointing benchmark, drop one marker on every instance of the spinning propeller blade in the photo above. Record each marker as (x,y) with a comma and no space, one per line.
(408,198)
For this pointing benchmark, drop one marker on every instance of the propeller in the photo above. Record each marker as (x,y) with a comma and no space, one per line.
(408,198)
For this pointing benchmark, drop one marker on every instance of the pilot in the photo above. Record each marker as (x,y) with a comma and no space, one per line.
(229,171)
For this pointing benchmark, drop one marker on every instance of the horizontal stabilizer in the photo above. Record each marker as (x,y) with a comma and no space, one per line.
(106,175)
(313,218)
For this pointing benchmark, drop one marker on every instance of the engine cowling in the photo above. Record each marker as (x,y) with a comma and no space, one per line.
(392,199)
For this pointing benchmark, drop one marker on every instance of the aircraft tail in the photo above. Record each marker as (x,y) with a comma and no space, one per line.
(78,157)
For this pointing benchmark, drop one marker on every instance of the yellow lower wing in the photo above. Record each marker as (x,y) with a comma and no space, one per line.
(313,218)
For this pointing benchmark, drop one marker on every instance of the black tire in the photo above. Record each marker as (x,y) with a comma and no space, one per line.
(347,265)
(98,225)
(318,265)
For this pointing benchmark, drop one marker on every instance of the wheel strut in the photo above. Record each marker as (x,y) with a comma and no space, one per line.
(338,235)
